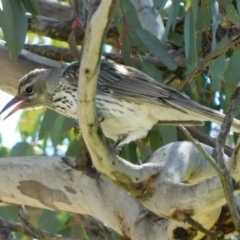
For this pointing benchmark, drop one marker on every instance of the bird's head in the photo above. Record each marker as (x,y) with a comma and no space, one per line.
(32,91)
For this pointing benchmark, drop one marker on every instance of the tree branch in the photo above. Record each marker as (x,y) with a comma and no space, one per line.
(227,181)
(104,160)
(38,233)
(208,60)
(60,30)
(76,192)
(55,9)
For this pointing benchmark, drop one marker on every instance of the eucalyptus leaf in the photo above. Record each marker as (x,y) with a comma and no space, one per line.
(55,133)
(22,149)
(31,6)
(14,25)
(126,48)
(168,133)
(232,74)
(67,124)
(150,69)
(238,5)
(156,47)
(190,41)
(205,14)
(55,220)
(48,121)
(172,18)
(129,152)
(155,138)
(216,71)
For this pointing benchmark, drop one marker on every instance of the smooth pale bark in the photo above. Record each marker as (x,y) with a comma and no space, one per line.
(46,182)
(176,181)
(161,192)
(13,70)
(149,17)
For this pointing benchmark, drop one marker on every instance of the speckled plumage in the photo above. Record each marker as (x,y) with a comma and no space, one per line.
(130,101)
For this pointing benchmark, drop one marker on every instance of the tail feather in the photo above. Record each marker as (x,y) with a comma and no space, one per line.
(206,114)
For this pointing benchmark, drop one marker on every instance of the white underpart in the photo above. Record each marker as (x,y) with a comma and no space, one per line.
(130,119)
(124,118)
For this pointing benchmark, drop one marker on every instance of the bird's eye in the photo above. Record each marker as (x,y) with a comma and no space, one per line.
(29,90)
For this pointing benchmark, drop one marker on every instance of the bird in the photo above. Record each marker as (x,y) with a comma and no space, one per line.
(128,101)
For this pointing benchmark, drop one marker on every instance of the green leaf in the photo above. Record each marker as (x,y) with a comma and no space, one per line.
(126,48)
(31,6)
(133,152)
(49,119)
(161,135)
(205,14)
(22,149)
(238,5)
(14,25)
(232,14)
(127,21)
(190,41)
(67,124)
(73,148)
(30,122)
(216,71)
(168,133)
(172,19)
(156,47)
(53,221)
(230,10)
(54,133)
(155,138)
(232,74)
(148,68)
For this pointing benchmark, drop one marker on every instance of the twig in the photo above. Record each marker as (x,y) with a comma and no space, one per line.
(38,233)
(201,150)
(219,165)
(226,178)
(5,230)
(208,60)
(15,227)
(201,94)
(199,227)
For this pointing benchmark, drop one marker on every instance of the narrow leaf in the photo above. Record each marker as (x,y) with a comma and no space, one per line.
(48,120)
(190,41)
(14,25)
(156,47)
(31,6)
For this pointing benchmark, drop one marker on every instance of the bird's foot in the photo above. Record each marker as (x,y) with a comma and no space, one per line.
(100,117)
(117,145)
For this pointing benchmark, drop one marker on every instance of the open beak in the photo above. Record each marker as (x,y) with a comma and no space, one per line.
(19,100)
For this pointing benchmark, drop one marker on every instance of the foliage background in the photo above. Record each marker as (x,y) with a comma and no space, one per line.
(48,133)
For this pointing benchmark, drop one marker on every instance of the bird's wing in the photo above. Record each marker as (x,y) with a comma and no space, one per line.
(131,84)
(128,83)
(71,73)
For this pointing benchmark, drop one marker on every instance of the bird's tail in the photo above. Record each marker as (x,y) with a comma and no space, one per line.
(202,113)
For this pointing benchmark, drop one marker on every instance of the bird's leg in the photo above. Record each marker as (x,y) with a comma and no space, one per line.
(117,145)
(100,116)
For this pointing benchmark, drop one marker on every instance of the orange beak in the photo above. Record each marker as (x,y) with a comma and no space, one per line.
(19,100)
